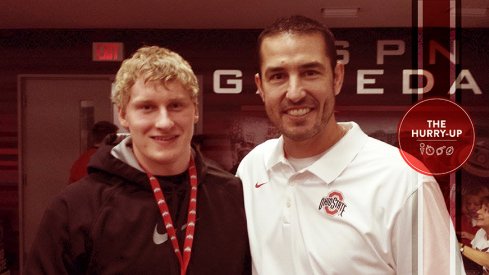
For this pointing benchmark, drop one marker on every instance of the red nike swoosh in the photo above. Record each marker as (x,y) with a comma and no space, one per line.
(258,185)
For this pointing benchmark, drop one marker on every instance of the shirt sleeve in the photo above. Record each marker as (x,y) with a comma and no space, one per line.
(423,234)
(439,257)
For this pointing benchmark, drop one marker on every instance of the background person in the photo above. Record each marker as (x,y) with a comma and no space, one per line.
(325,198)
(151,204)
(471,203)
(479,252)
(99,131)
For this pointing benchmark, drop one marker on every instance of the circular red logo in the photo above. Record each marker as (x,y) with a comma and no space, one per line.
(333,207)
(436,136)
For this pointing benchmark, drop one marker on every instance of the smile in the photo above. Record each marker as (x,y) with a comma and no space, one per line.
(164,138)
(298,112)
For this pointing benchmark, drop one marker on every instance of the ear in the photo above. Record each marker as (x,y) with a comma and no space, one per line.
(122,118)
(339,74)
(259,86)
(196,113)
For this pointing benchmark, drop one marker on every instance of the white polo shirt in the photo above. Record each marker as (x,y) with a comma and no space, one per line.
(481,243)
(350,212)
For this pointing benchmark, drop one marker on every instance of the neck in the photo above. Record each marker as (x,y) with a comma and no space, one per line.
(314,145)
(167,169)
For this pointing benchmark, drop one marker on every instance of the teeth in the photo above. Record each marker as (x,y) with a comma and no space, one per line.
(164,138)
(298,112)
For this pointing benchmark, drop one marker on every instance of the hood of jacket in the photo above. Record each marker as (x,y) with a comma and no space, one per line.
(116,160)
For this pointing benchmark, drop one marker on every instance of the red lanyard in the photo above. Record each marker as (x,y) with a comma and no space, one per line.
(192,213)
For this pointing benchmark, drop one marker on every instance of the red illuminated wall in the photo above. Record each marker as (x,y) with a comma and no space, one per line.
(235,122)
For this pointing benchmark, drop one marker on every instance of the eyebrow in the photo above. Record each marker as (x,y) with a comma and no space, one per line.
(142,102)
(310,65)
(271,70)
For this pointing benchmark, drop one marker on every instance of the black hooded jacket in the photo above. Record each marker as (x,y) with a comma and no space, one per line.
(109,223)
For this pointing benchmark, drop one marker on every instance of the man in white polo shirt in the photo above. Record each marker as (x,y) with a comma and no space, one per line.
(325,198)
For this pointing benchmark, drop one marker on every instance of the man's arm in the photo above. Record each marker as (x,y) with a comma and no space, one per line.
(440,252)
(50,252)
(479,257)
(423,233)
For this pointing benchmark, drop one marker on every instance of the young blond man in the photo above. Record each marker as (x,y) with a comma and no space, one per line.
(151,204)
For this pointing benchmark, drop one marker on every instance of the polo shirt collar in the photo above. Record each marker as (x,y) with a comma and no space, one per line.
(276,156)
(329,166)
(340,155)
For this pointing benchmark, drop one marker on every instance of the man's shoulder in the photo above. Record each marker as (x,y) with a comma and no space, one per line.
(254,164)
(265,148)
(381,159)
(217,174)
(383,152)
(220,183)
(213,169)
(480,241)
(87,186)
(377,144)
(102,181)
(480,234)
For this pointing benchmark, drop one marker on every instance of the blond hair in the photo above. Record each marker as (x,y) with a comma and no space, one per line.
(153,63)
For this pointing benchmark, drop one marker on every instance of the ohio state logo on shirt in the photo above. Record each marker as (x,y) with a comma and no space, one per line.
(333,204)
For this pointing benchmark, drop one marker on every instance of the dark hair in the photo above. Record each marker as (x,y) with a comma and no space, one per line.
(485,201)
(101,129)
(298,24)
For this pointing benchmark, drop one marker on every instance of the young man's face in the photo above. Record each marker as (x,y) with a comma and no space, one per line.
(161,120)
(483,217)
(472,204)
(298,85)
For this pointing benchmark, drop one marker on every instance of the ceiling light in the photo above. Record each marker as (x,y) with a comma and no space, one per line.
(339,12)
(471,12)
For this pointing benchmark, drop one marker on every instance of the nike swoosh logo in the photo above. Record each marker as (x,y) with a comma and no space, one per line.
(258,185)
(161,238)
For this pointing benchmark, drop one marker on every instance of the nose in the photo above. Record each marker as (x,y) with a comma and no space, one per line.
(164,119)
(295,91)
